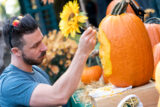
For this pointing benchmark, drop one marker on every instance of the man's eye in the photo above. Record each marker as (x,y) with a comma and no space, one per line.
(35,46)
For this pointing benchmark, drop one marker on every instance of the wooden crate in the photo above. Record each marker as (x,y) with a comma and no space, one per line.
(147,94)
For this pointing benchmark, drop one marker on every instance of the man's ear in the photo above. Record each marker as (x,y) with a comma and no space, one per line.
(16,51)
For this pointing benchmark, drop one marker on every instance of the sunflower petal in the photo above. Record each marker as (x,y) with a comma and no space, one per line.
(71,19)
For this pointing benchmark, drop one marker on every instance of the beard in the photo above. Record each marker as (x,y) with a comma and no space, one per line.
(31,61)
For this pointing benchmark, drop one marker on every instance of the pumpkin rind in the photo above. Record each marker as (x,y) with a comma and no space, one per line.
(154,33)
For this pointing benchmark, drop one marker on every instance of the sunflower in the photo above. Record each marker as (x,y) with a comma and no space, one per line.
(71,19)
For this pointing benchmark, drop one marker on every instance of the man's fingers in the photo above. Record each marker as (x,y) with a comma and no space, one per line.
(86,32)
(93,39)
(90,35)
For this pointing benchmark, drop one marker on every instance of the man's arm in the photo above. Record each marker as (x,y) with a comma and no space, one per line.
(64,87)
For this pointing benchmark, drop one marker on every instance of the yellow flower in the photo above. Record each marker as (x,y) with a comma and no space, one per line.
(71,19)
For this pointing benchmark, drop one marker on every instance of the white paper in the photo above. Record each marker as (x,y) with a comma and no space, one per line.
(107,91)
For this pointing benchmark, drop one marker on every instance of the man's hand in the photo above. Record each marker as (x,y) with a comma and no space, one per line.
(49,1)
(87,41)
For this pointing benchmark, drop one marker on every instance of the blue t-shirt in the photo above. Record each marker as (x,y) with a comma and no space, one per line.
(16,86)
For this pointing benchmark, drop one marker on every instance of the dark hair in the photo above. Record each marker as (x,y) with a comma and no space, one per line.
(13,34)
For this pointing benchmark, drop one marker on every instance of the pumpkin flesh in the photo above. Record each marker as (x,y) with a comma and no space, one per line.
(157,77)
(156,54)
(157,82)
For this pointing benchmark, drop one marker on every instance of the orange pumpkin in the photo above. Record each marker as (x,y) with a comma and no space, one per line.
(114,2)
(153,32)
(153,28)
(91,74)
(125,49)
(156,54)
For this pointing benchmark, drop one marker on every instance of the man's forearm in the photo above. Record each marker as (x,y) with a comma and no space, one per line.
(69,81)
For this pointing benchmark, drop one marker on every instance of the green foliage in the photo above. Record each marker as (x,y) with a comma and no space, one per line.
(14,9)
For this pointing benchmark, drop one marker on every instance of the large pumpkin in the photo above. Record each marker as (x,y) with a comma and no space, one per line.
(114,2)
(91,74)
(153,32)
(125,49)
(153,28)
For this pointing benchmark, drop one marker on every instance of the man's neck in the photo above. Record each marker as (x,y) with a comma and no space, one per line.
(19,63)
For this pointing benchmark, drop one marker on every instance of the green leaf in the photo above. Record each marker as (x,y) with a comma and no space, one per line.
(82,14)
(76,38)
(97,46)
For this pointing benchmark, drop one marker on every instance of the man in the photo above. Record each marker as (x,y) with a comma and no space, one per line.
(21,83)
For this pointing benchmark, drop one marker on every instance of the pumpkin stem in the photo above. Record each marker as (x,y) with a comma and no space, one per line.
(153,20)
(120,7)
(98,61)
(94,61)
(89,62)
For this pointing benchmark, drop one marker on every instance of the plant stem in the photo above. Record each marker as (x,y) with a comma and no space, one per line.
(84,10)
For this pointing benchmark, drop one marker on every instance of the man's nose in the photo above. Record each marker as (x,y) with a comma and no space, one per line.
(44,47)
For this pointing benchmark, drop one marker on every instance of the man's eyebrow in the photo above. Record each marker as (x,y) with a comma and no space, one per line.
(35,44)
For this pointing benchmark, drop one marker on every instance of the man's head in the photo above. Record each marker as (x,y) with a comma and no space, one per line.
(24,38)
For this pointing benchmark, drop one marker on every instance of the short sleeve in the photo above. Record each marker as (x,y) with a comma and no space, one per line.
(19,88)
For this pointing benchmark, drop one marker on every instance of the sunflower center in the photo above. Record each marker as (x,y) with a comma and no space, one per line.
(71,16)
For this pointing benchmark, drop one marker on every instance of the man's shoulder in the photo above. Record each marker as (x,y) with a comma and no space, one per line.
(9,77)
(12,73)
(13,82)
(10,70)
(7,71)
